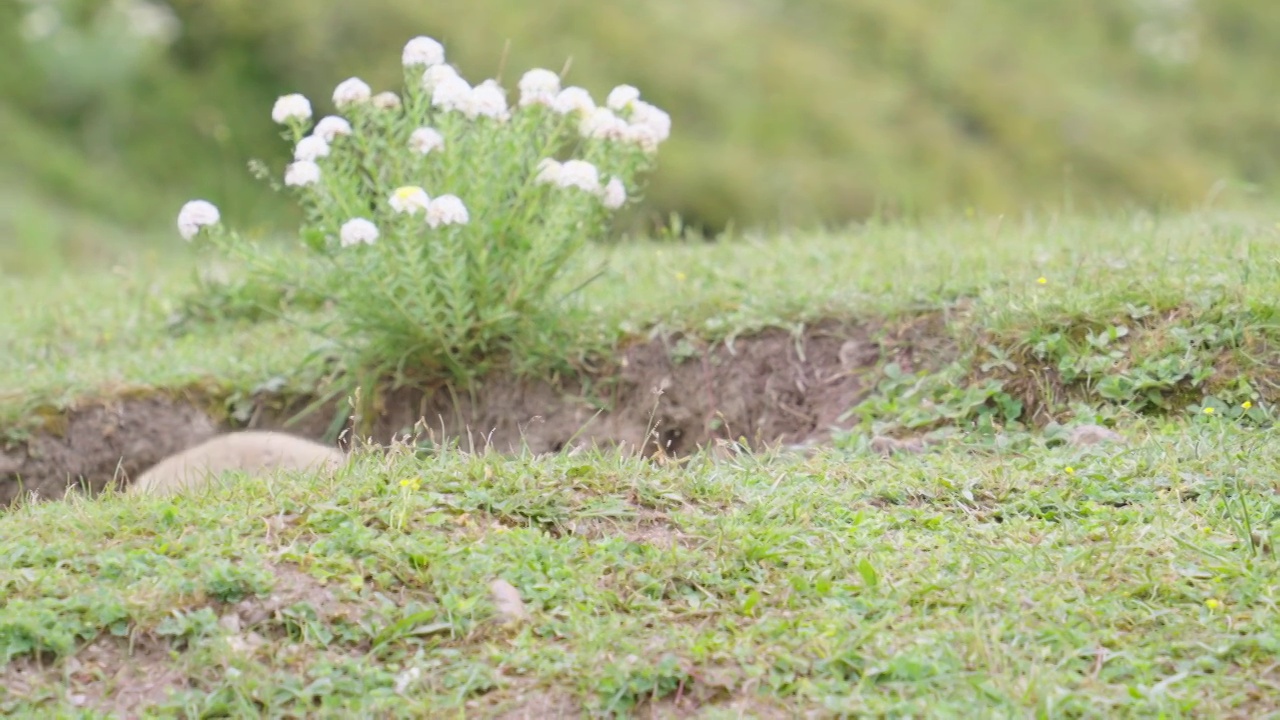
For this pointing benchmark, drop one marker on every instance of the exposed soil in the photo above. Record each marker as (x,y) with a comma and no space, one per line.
(649,527)
(292,586)
(689,704)
(108,676)
(540,705)
(690,701)
(101,442)
(773,387)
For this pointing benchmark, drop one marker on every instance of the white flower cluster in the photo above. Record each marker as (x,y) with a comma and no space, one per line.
(424,140)
(311,148)
(488,99)
(409,200)
(539,87)
(613,194)
(648,126)
(603,124)
(443,210)
(623,118)
(449,92)
(434,75)
(352,91)
(447,210)
(291,107)
(422,51)
(386,101)
(573,99)
(622,97)
(302,173)
(584,176)
(331,127)
(194,216)
(357,231)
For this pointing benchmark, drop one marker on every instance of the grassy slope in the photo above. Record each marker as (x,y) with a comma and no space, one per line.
(1063,581)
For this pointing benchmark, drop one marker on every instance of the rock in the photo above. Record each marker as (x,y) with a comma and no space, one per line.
(507,599)
(230,622)
(1089,435)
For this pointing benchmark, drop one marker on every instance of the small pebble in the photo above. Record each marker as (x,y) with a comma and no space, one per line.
(1087,435)
(507,599)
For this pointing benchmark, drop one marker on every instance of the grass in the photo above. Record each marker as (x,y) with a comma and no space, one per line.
(1000,574)
(1056,583)
(44,237)
(84,334)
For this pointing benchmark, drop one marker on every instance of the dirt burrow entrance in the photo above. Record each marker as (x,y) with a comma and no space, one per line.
(675,393)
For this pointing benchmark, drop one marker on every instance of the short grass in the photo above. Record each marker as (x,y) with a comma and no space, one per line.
(1132,582)
(982,579)
(79,335)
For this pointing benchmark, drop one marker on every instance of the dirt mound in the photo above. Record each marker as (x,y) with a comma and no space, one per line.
(116,439)
(672,395)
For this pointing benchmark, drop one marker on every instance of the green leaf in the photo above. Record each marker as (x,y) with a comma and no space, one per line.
(870,577)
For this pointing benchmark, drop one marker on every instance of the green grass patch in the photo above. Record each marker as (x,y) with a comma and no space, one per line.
(1057,581)
(1002,573)
(1195,295)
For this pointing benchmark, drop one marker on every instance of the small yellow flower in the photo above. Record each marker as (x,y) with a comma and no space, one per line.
(1070,470)
(411,483)
(1247,405)
(681,277)
(1042,280)
(1212,604)
(1208,411)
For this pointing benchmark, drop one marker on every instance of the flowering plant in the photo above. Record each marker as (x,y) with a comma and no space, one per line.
(446,216)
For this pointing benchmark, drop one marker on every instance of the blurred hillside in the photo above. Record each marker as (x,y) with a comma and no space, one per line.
(784,112)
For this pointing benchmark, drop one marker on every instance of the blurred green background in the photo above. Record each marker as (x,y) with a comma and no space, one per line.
(786,113)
